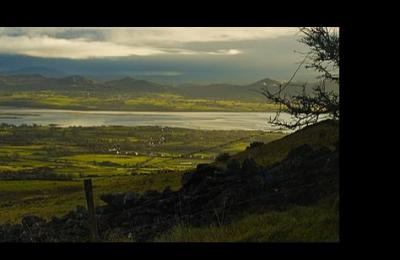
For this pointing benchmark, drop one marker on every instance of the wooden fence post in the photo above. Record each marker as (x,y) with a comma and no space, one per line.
(91,210)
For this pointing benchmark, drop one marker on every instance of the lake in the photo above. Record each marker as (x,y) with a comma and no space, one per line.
(194,120)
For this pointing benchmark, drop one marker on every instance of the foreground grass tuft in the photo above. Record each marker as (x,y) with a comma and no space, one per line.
(319,223)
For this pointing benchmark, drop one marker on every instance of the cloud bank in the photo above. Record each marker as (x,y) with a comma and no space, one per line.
(89,43)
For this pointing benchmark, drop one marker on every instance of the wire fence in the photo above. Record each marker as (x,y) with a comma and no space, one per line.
(179,218)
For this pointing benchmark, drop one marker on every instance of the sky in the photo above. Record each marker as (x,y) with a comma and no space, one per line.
(183,54)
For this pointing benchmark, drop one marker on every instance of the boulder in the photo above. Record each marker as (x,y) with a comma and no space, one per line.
(115,200)
(190,178)
(223,157)
(31,220)
(130,199)
(207,168)
(250,166)
(254,145)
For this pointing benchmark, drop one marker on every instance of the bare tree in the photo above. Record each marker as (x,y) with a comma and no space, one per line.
(307,107)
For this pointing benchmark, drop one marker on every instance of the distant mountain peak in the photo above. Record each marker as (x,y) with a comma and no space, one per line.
(266,82)
(127,78)
(129,83)
(77,79)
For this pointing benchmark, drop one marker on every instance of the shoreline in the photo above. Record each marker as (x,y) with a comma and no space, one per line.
(130,111)
(97,111)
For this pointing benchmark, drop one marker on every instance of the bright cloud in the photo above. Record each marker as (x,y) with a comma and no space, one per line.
(84,43)
(179,35)
(47,47)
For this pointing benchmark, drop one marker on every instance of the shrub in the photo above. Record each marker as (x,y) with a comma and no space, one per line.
(223,157)
(254,145)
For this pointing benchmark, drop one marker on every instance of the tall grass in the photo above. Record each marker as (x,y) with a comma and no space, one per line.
(318,223)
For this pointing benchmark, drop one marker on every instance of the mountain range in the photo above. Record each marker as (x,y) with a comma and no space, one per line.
(128,85)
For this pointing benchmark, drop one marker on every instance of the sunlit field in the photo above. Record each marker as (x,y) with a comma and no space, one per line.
(42,168)
(154,102)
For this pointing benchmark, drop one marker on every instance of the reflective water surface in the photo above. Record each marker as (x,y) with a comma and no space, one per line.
(194,120)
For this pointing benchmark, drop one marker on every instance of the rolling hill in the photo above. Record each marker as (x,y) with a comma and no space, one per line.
(128,85)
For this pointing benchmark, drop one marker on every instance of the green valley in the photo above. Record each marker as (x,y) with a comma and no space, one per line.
(41,167)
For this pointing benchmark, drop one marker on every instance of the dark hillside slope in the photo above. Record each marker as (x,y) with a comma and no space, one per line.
(227,91)
(219,91)
(249,92)
(323,134)
(129,85)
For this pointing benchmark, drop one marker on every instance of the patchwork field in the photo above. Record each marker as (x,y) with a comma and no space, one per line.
(129,102)
(41,168)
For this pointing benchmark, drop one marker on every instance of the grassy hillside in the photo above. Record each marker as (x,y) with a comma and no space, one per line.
(312,223)
(324,134)
(318,223)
